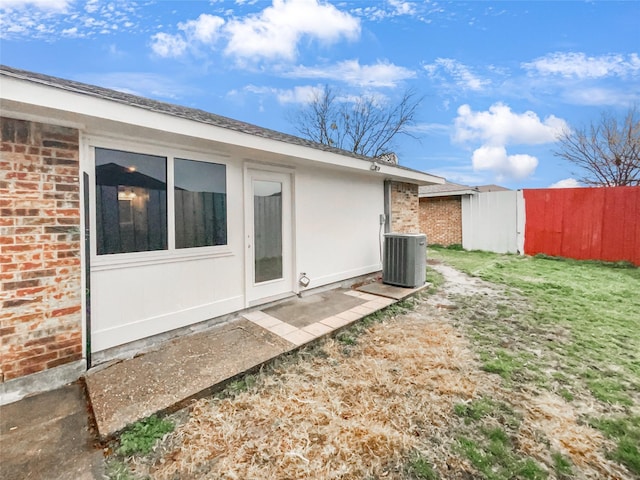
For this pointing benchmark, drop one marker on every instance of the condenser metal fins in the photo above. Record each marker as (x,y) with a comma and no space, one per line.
(405,260)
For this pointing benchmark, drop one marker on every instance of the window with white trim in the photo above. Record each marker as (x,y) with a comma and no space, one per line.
(134,196)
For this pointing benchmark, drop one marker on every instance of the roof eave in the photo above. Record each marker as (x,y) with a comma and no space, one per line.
(416,177)
(452,193)
(46,95)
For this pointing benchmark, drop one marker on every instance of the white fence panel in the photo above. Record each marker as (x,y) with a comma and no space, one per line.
(490,221)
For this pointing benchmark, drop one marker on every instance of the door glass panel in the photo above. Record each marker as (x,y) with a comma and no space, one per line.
(267,230)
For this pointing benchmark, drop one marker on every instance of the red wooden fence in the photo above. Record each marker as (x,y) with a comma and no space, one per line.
(584,223)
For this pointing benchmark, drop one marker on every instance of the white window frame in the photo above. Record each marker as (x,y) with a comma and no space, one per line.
(171,254)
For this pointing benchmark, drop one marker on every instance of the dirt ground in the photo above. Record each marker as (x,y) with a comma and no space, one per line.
(377,403)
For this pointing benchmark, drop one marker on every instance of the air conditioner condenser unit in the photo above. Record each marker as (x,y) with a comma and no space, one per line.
(404,262)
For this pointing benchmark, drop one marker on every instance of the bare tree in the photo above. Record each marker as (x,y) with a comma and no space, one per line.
(608,151)
(360,125)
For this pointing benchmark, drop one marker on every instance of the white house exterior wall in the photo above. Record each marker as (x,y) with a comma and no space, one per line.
(338,224)
(336,237)
(138,295)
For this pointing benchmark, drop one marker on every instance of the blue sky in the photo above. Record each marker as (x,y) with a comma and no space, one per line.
(500,79)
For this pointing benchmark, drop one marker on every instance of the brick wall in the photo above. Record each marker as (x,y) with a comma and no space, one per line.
(404,208)
(441,219)
(40,272)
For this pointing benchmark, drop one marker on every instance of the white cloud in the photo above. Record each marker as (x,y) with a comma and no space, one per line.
(566,183)
(302,94)
(297,95)
(91,6)
(114,51)
(307,93)
(70,32)
(52,19)
(496,160)
(54,5)
(597,96)
(461,75)
(380,74)
(380,10)
(205,29)
(500,126)
(166,45)
(431,128)
(275,32)
(402,8)
(580,66)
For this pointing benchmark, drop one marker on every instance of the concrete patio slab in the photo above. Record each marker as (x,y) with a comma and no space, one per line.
(300,337)
(302,312)
(335,322)
(390,291)
(366,296)
(318,329)
(185,368)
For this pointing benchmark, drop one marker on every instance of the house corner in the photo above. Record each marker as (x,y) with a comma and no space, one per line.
(40,250)
(404,208)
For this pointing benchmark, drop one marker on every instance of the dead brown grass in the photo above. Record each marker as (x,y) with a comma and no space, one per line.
(549,416)
(334,415)
(336,411)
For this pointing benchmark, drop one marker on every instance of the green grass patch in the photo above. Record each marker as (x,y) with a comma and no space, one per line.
(118,470)
(626,432)
(474,410)
(241,385)
(494,457)
(139,438)
(566,394)
(595,302)
(562,466)
(400,308)
(435,279)
(455,246)
(609,390)
(420,468)
(477,411)
(501,362)
(346,338)
(575,331)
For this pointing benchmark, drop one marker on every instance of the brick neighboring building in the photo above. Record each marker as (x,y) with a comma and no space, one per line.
(40,272)
(441,211)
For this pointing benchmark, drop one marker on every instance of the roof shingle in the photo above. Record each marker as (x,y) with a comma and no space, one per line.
(192,114)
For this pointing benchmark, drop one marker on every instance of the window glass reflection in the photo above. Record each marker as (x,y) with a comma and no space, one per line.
(267,228)
(200,203)
(131,202)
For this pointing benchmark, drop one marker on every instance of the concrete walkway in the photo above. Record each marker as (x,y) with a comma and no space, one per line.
(47,436)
